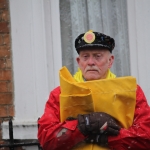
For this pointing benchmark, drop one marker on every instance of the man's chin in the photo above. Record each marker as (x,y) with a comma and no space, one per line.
(92,75)
(89,78)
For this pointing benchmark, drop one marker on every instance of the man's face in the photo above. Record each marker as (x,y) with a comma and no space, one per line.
(94,63)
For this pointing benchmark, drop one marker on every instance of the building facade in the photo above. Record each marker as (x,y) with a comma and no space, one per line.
(33,46)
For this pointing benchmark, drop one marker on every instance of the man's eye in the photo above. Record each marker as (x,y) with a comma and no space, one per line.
(98,56)
(85,56)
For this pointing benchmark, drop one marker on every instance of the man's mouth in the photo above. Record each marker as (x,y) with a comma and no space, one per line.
(91,70)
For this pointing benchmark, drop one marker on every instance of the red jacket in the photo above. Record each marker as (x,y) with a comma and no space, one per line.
(51,137)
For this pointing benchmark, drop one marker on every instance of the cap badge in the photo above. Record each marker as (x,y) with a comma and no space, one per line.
(89,37)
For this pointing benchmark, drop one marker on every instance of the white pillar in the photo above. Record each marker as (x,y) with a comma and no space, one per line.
(139,35)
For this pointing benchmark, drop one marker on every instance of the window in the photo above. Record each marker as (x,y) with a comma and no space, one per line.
(106,16)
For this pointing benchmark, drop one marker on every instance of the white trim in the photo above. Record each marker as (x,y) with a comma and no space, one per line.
(21,130)
(139,35)
(132,37)
(53,40)
(55,24)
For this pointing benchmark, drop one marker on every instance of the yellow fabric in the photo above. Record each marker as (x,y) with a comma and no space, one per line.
(85,146)
(78,76)
(115,96)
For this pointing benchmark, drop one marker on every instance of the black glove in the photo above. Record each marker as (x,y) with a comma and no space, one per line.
(101,139)
(97,123)
(71,118)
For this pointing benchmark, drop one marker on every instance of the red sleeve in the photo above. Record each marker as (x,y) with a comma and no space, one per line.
(52,134)
(137,137)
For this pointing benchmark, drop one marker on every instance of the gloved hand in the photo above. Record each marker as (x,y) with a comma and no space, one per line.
(71,118)
(97,123)
(101,139)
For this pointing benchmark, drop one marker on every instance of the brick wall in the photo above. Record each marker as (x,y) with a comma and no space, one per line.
(6,80)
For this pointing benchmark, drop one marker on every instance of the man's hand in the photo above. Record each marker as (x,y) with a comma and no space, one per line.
(97,123)
(101,139)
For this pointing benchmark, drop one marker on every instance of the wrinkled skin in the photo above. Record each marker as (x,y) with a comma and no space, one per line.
(94,63)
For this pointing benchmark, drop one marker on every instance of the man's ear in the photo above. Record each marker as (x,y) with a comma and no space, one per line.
(111,60)
(78,60)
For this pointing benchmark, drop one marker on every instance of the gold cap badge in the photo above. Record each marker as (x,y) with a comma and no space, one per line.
(89,36)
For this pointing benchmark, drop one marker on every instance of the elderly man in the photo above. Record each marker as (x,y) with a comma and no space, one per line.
(97,130)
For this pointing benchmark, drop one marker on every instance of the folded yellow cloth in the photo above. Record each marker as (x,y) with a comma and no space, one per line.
(114,96)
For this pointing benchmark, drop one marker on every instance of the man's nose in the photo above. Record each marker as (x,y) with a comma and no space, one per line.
(91,61)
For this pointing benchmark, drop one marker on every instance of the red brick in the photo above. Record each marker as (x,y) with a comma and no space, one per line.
(4,27)
(5,51)
(4,15)
(6,98)
(3,87)
(2,63)
(11,110)
(5,148)
(3,4)
(8,63)
(6,39)
(3,111)
(9,87)
(4,47)
(5,75)
(1,39)
(1,142)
